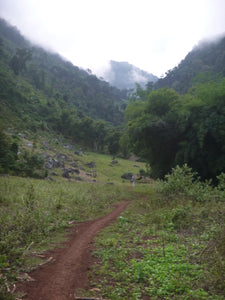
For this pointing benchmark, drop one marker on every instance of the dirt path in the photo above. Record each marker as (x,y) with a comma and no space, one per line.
(68,271)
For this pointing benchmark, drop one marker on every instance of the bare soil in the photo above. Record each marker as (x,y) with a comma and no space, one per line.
(68,267)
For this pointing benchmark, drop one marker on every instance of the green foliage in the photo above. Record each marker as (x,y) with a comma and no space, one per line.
(52,94)
(204,63)
(113,141)
(164,246)
(18,62)
(29,164)
(8,153)
(152,129)
(169,130)
(33,211)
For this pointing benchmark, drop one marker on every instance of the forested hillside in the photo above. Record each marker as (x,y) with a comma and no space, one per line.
(165,126)
(169,129)
(181,119)
(205,62)
(40,89)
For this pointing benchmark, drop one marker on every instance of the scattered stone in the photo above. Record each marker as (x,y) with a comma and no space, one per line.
(114,162)
(70,147)
(91,164)
(74,165)
(21,135)
(30,145)
(78,178)
(127,176)
(49,178)
(53,174)
(76,171)
(79,153)
(66,174)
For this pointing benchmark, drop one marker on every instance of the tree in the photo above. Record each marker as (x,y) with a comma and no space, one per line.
(203,134)
(152,130)
(169,130)
(113,141)
(19,60)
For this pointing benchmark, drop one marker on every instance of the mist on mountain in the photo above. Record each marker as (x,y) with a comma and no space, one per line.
(124,75)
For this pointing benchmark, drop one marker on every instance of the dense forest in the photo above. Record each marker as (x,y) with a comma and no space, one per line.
(179,119)
(205,62)
(40,90)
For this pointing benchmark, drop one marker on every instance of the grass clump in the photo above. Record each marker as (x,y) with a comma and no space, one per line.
(32,211)
(169,244)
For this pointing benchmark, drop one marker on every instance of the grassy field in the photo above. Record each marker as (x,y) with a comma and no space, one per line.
(34,213)
(168,244)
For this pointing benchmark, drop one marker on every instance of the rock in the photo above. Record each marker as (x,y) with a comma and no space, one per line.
(74,165)
(49,178)
(114,162)
(77,171)
(53,174)
(127,176)
(66,174)
(79,153)
(70,147)
(91,164)
(30,145)
(52,163)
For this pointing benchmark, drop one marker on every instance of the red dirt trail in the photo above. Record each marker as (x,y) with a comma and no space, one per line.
(59,279)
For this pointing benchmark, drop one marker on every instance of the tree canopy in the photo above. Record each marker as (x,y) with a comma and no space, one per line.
(169,129)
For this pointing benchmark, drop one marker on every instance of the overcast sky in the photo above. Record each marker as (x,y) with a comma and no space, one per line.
(154,35)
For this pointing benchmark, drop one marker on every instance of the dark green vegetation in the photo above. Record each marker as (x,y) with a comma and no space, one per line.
(44,93)
(205,62)
(41,91)
(169,129)
(24,163)
(170,242)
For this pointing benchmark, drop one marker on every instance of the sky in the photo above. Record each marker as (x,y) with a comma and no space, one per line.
(153,35)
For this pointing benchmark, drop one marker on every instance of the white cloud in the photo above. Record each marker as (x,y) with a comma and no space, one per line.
(153,35)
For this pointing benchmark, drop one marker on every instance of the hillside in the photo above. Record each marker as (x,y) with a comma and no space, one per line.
(206,61)
(125,76)
(42,85)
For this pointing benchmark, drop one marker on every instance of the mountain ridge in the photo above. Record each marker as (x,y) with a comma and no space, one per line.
(124,75)
(204,62)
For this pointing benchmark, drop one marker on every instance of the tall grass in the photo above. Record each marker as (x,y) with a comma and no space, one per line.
(168,244)
(32,210)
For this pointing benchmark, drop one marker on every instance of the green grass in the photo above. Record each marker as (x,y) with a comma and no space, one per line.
(34,212)
(162,249)
(168,244)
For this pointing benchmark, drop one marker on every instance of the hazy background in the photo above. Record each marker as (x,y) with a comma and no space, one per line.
(152,35)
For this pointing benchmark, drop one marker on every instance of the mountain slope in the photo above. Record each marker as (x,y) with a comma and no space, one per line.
(57,82)
(206,61)
(124,75)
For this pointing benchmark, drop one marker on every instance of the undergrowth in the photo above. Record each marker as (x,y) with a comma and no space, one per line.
(169,244)
(34,210)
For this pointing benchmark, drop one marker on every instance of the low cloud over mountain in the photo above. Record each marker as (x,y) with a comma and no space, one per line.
(124,75)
